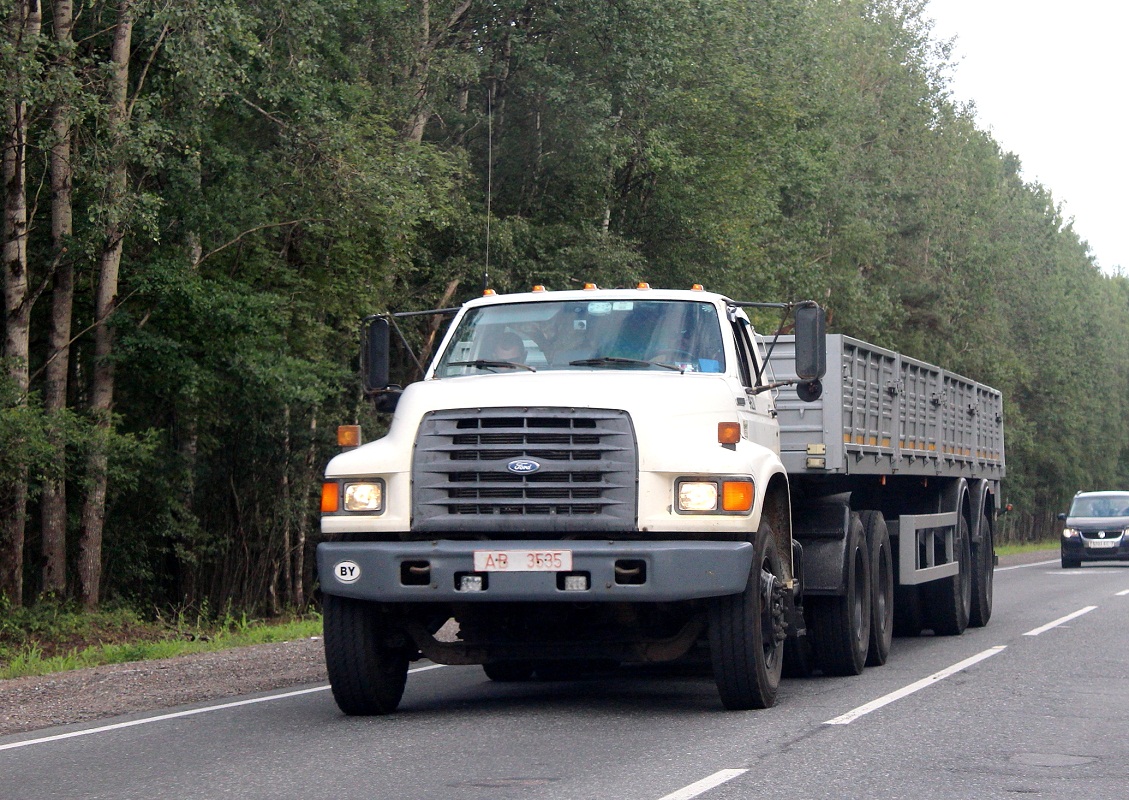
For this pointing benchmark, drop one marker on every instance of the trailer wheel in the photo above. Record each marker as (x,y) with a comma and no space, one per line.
(799,661)
(508,671)
(366,658)
(746,632)
(908,617)
(983,573)
(950,599)
(881,587)
(841,624)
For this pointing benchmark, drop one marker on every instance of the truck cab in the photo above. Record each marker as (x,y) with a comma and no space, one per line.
(577,477)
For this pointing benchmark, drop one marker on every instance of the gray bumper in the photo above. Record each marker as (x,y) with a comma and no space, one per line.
(679,570)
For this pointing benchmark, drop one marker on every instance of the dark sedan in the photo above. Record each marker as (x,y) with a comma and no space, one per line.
(1097,528)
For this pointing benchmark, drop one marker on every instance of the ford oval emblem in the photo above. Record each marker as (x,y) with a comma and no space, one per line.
(523,466)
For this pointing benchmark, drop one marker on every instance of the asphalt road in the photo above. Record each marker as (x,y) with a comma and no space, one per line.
(1035,704)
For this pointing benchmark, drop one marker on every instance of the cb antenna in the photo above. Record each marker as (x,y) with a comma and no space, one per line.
(489,172)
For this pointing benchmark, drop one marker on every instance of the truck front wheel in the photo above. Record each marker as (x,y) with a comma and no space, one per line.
(746,632)
(366,658)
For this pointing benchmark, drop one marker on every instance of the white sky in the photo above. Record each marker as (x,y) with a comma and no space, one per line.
(1050,80)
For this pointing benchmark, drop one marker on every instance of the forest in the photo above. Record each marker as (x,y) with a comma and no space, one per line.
(203,198)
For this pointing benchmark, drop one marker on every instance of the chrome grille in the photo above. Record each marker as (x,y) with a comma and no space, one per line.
(585,480)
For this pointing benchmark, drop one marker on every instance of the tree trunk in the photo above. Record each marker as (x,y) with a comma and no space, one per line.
(420,73)
(309,480)
(287,510)
(53,509)
(23,30)
(102,382)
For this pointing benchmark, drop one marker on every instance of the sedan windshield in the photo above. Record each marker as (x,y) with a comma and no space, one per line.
(1100,505)
(597,334)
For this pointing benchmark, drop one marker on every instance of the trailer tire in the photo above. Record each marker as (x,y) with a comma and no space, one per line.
(746,632)
(908,617)
(799,661)
(881,587)
(366,658)
(983,574)
(508,671)
(840,625)
(949,600)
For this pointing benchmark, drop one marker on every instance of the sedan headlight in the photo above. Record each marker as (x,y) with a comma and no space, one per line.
(1070,533)
(364,496)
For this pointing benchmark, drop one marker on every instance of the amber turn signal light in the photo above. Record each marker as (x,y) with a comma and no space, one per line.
(330,497)
(348,435)
(728,432)
(736,496)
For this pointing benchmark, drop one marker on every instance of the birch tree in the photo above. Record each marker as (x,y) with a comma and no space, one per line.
(23,28)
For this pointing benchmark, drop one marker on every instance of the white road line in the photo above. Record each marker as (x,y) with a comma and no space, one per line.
(1059,621)
(1123,593)
(1024,566)
(705,784)
(874,705)
(178,714)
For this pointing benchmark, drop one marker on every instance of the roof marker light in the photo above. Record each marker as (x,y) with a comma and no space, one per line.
(539,288)
(643,285)
(488,293)
(590,287)
(697,287)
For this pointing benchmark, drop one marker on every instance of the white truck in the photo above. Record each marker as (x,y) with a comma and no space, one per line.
(633,475)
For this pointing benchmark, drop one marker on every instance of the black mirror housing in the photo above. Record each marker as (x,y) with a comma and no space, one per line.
(811,344)
(375,351)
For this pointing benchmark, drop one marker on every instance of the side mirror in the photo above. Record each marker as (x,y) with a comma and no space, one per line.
(375,345)
(1062,517)
(811,343)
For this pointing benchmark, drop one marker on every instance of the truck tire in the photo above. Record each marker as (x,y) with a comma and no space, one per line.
(746,632)
(881,587)
(983,574)
(508,671)
(840,625)
(367,660)
(949,600)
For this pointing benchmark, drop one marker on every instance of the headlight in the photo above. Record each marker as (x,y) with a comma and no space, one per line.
(733,496)
(364,496)
(697,496)
(1070,533)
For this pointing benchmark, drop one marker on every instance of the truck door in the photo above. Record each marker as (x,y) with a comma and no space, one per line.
(755,410)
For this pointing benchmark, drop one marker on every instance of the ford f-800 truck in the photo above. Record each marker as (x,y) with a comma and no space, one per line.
(627,476)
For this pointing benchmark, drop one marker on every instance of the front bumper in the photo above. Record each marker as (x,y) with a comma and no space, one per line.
(1079,549)
(671,571)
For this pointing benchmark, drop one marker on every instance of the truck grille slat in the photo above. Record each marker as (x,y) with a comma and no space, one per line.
(587,471)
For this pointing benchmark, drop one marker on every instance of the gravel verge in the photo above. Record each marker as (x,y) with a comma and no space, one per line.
(85,695)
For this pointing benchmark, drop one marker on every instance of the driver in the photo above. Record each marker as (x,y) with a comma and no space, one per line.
(508,346)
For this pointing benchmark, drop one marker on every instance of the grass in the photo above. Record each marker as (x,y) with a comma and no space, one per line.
(52,637)
(1026,547)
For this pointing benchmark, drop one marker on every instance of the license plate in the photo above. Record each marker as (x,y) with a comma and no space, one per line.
(522,560)
(1102,544)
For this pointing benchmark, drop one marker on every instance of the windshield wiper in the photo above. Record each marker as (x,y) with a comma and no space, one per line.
(611,361)
(482,363)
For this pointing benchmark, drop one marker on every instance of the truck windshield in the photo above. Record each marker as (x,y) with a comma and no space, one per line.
(595,334)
